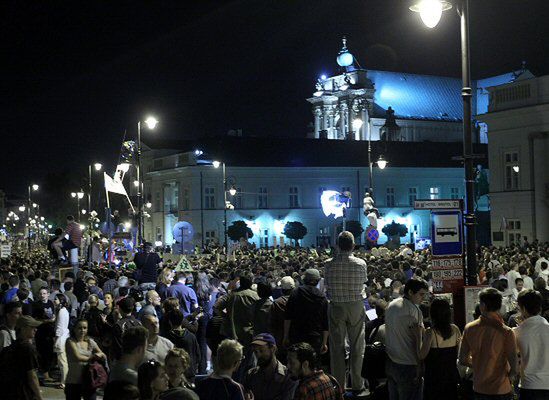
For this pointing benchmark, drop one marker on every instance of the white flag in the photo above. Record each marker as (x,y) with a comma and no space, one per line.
(114,187)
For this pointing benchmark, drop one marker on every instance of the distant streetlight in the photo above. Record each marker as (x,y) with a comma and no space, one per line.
(381,162)
(22,208)
(216,164)
(35,187)
(430,11)
(98,166)
(148,204)
(232,191)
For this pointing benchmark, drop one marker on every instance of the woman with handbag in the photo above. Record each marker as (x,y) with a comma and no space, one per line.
(81,350)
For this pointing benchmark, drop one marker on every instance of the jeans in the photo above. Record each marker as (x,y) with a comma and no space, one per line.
(347,320)
(532,394)
(76,392)
(404,381)
(479,396)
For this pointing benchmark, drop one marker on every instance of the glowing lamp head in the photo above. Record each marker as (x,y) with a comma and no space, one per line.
(80,195)
(50,226)
(73,195)
(84,212)
(35,187)
(158,243)
(34,205)
(148,204)
(232,191)
(430,11)
(216,164)
(98,166)
(516,168)
(198,153)
(136,183)
(151,122)
(82,227)
(323,77)
(22,208)
(345,59)
(382,163)
(127,224)
(357,124)
(42,218)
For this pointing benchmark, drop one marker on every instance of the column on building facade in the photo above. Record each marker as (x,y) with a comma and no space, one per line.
(332,131)
(343,112)
(317,111)
(325,121)
(365,129)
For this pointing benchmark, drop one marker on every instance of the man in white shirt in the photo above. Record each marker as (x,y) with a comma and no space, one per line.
(512,276)
(533,343)
(158,346)
(403,332)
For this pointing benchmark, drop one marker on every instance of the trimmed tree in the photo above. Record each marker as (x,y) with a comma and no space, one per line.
(239,230)
(295,231)
(354,227)
(394,232)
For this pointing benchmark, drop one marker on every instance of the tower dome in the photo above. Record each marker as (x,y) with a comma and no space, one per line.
(344,57)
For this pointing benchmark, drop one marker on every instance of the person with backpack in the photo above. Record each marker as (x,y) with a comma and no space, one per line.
(81,351)
(19,363)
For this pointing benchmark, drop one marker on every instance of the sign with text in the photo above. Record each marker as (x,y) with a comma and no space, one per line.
(447,274)
(439,204)
(5,250)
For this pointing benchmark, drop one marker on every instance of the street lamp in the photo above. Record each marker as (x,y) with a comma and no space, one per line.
(78,196)
(151,123)
(97,167)
(429,11)
(232,191)
(381,162)
(33,187)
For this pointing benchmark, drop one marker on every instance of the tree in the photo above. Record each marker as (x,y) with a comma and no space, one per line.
(354,227)
(394,232)
(239,230)
(295,230)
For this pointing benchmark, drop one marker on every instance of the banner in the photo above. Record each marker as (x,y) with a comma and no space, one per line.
(114,187)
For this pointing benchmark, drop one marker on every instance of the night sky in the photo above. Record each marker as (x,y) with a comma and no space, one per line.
(75,75)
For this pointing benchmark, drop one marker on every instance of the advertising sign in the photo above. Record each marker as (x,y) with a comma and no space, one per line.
(447,274)
(5,250)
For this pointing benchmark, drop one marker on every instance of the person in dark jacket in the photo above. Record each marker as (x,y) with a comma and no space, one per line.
(307,314)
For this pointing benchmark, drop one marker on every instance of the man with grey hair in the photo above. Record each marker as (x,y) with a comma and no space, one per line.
(345,276)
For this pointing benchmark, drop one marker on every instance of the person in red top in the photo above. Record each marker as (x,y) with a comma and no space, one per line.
(314,384)
(74,233)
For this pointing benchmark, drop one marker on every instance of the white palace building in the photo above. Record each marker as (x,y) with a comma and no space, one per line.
(413,122)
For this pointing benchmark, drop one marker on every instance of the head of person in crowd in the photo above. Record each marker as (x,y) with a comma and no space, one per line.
(302,360)
(246,280)
(311,277)
(519,284)
(264,290)
(152,380)
(150,322)
(68,286)
(134,342)
(490,301)
(540,284)
(166,276)
(264,348)
(93,301)
(287,284)
(25,328)
(170,304)
(181,277)
(121,390)
(13,281)
(228,358)
(177,361)
(23,294)
(123,281)
(60,301)
(108,299)
(126,306)
(346,241)
(175,318)
(202,286)
(415,290)
(55,285)
(441,317)
(380,306)
(12,312)
(79,331)
(153,298)
(529,303)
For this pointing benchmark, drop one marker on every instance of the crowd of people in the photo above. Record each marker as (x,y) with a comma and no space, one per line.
(273,324)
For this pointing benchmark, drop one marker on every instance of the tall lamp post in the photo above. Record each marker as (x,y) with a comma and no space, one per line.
(97,167)
(381,162)
(232,192)
(78,196)
(430,12)
(33,187)
(151,123)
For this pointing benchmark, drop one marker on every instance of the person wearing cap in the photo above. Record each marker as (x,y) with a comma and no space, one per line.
(345,276)
(270,379)
(278,313)
(306,318)
(19,377)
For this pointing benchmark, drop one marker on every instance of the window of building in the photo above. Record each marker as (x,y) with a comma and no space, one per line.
(262,197)
(264,238)
(209,198)
(209,237)
(412,196)
(454,193)
(294,197)
(157,201)
(236,200)
(434,193)
(186,199)
(513,231)
(511,170)
(390,197)
(158,233)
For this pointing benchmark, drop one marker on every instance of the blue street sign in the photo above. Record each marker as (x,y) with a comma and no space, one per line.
(446,233)
(372,234)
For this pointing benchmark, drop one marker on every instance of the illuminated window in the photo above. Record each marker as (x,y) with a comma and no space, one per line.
(434,193)
(511,167)
(294,197)
(454,193)
(390,197)
(209,198)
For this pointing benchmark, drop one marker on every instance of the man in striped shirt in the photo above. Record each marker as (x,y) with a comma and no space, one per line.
(344,277)
(74,232)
